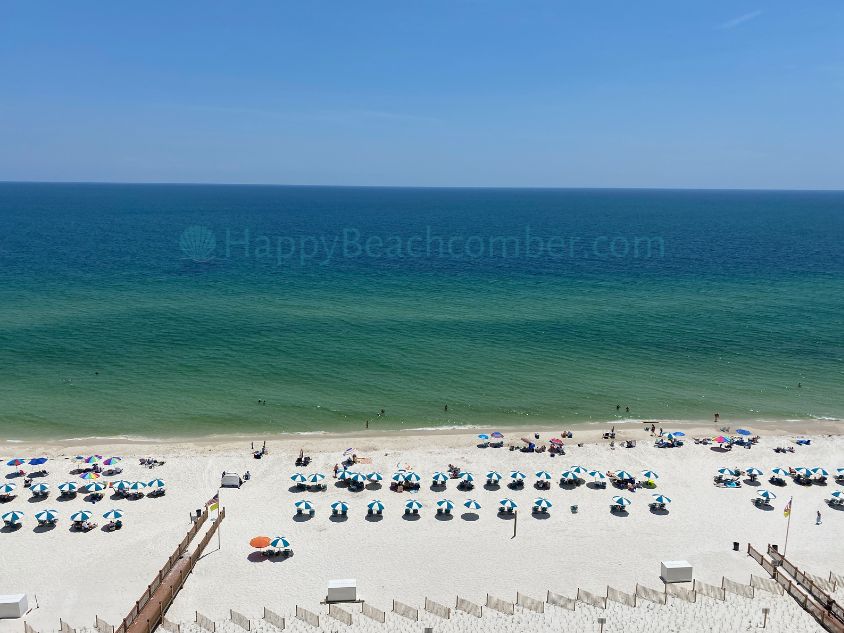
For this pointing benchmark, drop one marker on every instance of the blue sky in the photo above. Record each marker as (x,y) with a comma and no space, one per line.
(726,93)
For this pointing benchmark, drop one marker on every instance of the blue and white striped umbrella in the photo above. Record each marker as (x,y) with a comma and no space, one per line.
(157,483)
(68,486)
(661,498)
(542,502)
(597,474)
(122,485)
(517,475)
(728,471)
(279,542)
(472,504)
(94,486)
(304,504)
(840,471)
(358,478)
(375,477)
(340,506)
(47,515)
(445,504)
(315,478)
(543,475)
(82,515)
(412,477)
(802,470)
(375,505)
(467,476)
(413,504)
(820,472)
(754,471)
(113,514)
(298,478)
(579,470)
(39,488)
(508,503)
(766,494)
(399,476)
(344,474)
(484,437)
(649,475)
(7,489)
(568,476)
(13,517)
(623,474)
(621,501)
(493,475)
(782,472)
(440,477)
(838,494)
(137,485)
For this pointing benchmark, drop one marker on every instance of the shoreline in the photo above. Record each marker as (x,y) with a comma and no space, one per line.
(589,432)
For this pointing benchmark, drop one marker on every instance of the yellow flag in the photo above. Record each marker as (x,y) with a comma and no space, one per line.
(787,510)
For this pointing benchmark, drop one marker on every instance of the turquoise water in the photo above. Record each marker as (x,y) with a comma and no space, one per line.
(119,315)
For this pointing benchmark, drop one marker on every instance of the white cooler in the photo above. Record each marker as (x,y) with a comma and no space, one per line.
(676,571)
(13,606)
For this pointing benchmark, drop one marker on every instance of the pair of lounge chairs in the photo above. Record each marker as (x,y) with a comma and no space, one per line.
(656,505)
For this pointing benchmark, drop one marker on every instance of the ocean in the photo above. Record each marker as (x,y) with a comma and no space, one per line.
(185,310)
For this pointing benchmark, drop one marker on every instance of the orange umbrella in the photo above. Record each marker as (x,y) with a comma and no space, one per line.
(260,542)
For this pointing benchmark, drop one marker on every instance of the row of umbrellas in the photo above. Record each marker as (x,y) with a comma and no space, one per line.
(572,474)
(38,461)
(94,486)
(15,516)
(262,542)
(782,472)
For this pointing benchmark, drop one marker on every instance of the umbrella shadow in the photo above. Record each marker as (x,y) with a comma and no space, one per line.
(835,506)
(541,516)
(594,485)
(296,488)
(620,513)
(38,499)
(659,511)
(470,516)
(437,487)
(65,498)
(409,516)
(303,517)
(492,486)
(516,485)
(8,529)
(817,482)
(12,476)
(442,516)
(506,516)
(373,485)
(279,559)
(481,445)
(338,518)
(542,487)
(8,499)
(765,507)
(47,527)
(256,557)
(341,484)
(374,518)
(750,482)
(719,449)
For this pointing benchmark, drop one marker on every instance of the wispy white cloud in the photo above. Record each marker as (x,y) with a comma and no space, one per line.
(731,24)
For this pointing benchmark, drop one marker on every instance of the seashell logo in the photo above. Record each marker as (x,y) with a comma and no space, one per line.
(198,243)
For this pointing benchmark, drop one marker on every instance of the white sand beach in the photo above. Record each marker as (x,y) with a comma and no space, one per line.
(77,576)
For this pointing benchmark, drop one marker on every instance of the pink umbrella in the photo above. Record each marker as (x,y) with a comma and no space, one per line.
(721,440)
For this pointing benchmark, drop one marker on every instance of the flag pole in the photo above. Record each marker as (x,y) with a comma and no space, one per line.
(787,526)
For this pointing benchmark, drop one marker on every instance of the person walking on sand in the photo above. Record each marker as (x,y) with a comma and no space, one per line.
(818,520)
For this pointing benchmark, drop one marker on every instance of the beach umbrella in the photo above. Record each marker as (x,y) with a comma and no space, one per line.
(304,504)
(782,472)
(754,471)
(358,478)
(299,478)
(37,461)
(820,472)
(508,503)
(111,461)
(122,485)
(315,478)
(623,474)
(497,435)
(440,477)
(517,475)
(413,504)
(157,483)
(340,506)
(556,441)
(543,474)
(472,504)
(678,434)
(840,471)
(348,451)
(260,542)
(766,494)
(93,459)
(137,486)
(720,440)
(484,437)
(649,475)
(621,501)
(67,486)
(375,477)
(568,476)
(467,476)
(670,437)
(279,542)
(661,498)
(82,515)
(493,476)
(7,489)
(39,488)
(542,502)
(802,470)
(412,477)
(89,476)
(375,505)
(95,486)
(113,514)
(445,504)
(838,494)
(597,474)
(728,471)
(16,461)
(344,474)
(743,432)
(398,477)
(13,517)
(47,515)
(579,470)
